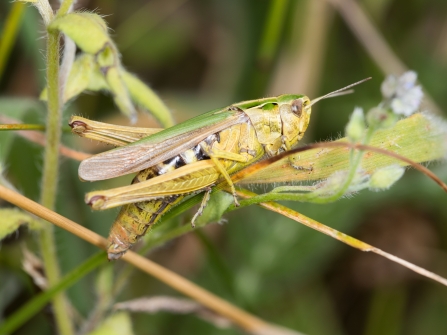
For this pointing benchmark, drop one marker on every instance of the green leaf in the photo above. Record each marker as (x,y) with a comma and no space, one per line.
(120,93)
(145,97)
(104,70)
(116,324)
(97,81)
(12,218)
(79,79)
(87,30)
(215,208)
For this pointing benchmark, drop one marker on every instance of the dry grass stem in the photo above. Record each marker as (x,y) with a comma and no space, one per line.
(246,321)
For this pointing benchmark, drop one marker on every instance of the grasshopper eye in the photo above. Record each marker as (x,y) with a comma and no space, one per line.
(297,107)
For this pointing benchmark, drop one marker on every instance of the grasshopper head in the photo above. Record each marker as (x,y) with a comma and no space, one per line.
(295,115)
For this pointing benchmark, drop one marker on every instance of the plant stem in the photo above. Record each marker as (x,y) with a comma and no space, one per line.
(250,323)
(49,182)
(65,7)
(22,126)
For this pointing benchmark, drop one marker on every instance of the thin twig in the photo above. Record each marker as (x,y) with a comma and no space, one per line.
(39,138)
(21,126)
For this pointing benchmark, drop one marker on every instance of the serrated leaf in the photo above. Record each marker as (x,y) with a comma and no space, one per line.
(87,30)
(12,218)
(117,324)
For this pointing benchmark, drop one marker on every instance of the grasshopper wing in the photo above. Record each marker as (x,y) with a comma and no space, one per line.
(159,147)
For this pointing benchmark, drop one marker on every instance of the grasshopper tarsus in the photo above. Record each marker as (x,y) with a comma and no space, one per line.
(302,168)
(206,198)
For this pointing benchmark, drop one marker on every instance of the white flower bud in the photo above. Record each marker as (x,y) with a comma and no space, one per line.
(356,126)
(403,95)
(385,177)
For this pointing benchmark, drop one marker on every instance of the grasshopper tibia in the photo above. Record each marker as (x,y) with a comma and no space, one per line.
(206,198)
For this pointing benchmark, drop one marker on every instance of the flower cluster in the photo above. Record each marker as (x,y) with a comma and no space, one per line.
(402,93)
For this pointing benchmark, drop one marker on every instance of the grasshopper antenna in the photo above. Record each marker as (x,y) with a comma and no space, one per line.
(337,93)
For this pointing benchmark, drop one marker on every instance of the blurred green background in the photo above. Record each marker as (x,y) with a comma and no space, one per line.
(199,55)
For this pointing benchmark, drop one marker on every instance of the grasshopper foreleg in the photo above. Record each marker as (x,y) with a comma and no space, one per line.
(206,198)
(227,177)
(215,154)
(296,166)
(302,168)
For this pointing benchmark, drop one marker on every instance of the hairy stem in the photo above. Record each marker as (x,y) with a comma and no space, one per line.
(49,182)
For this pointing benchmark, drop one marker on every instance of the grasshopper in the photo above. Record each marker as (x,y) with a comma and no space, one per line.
(187,158)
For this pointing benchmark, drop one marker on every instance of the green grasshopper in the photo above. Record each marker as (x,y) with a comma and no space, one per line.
(188,158)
